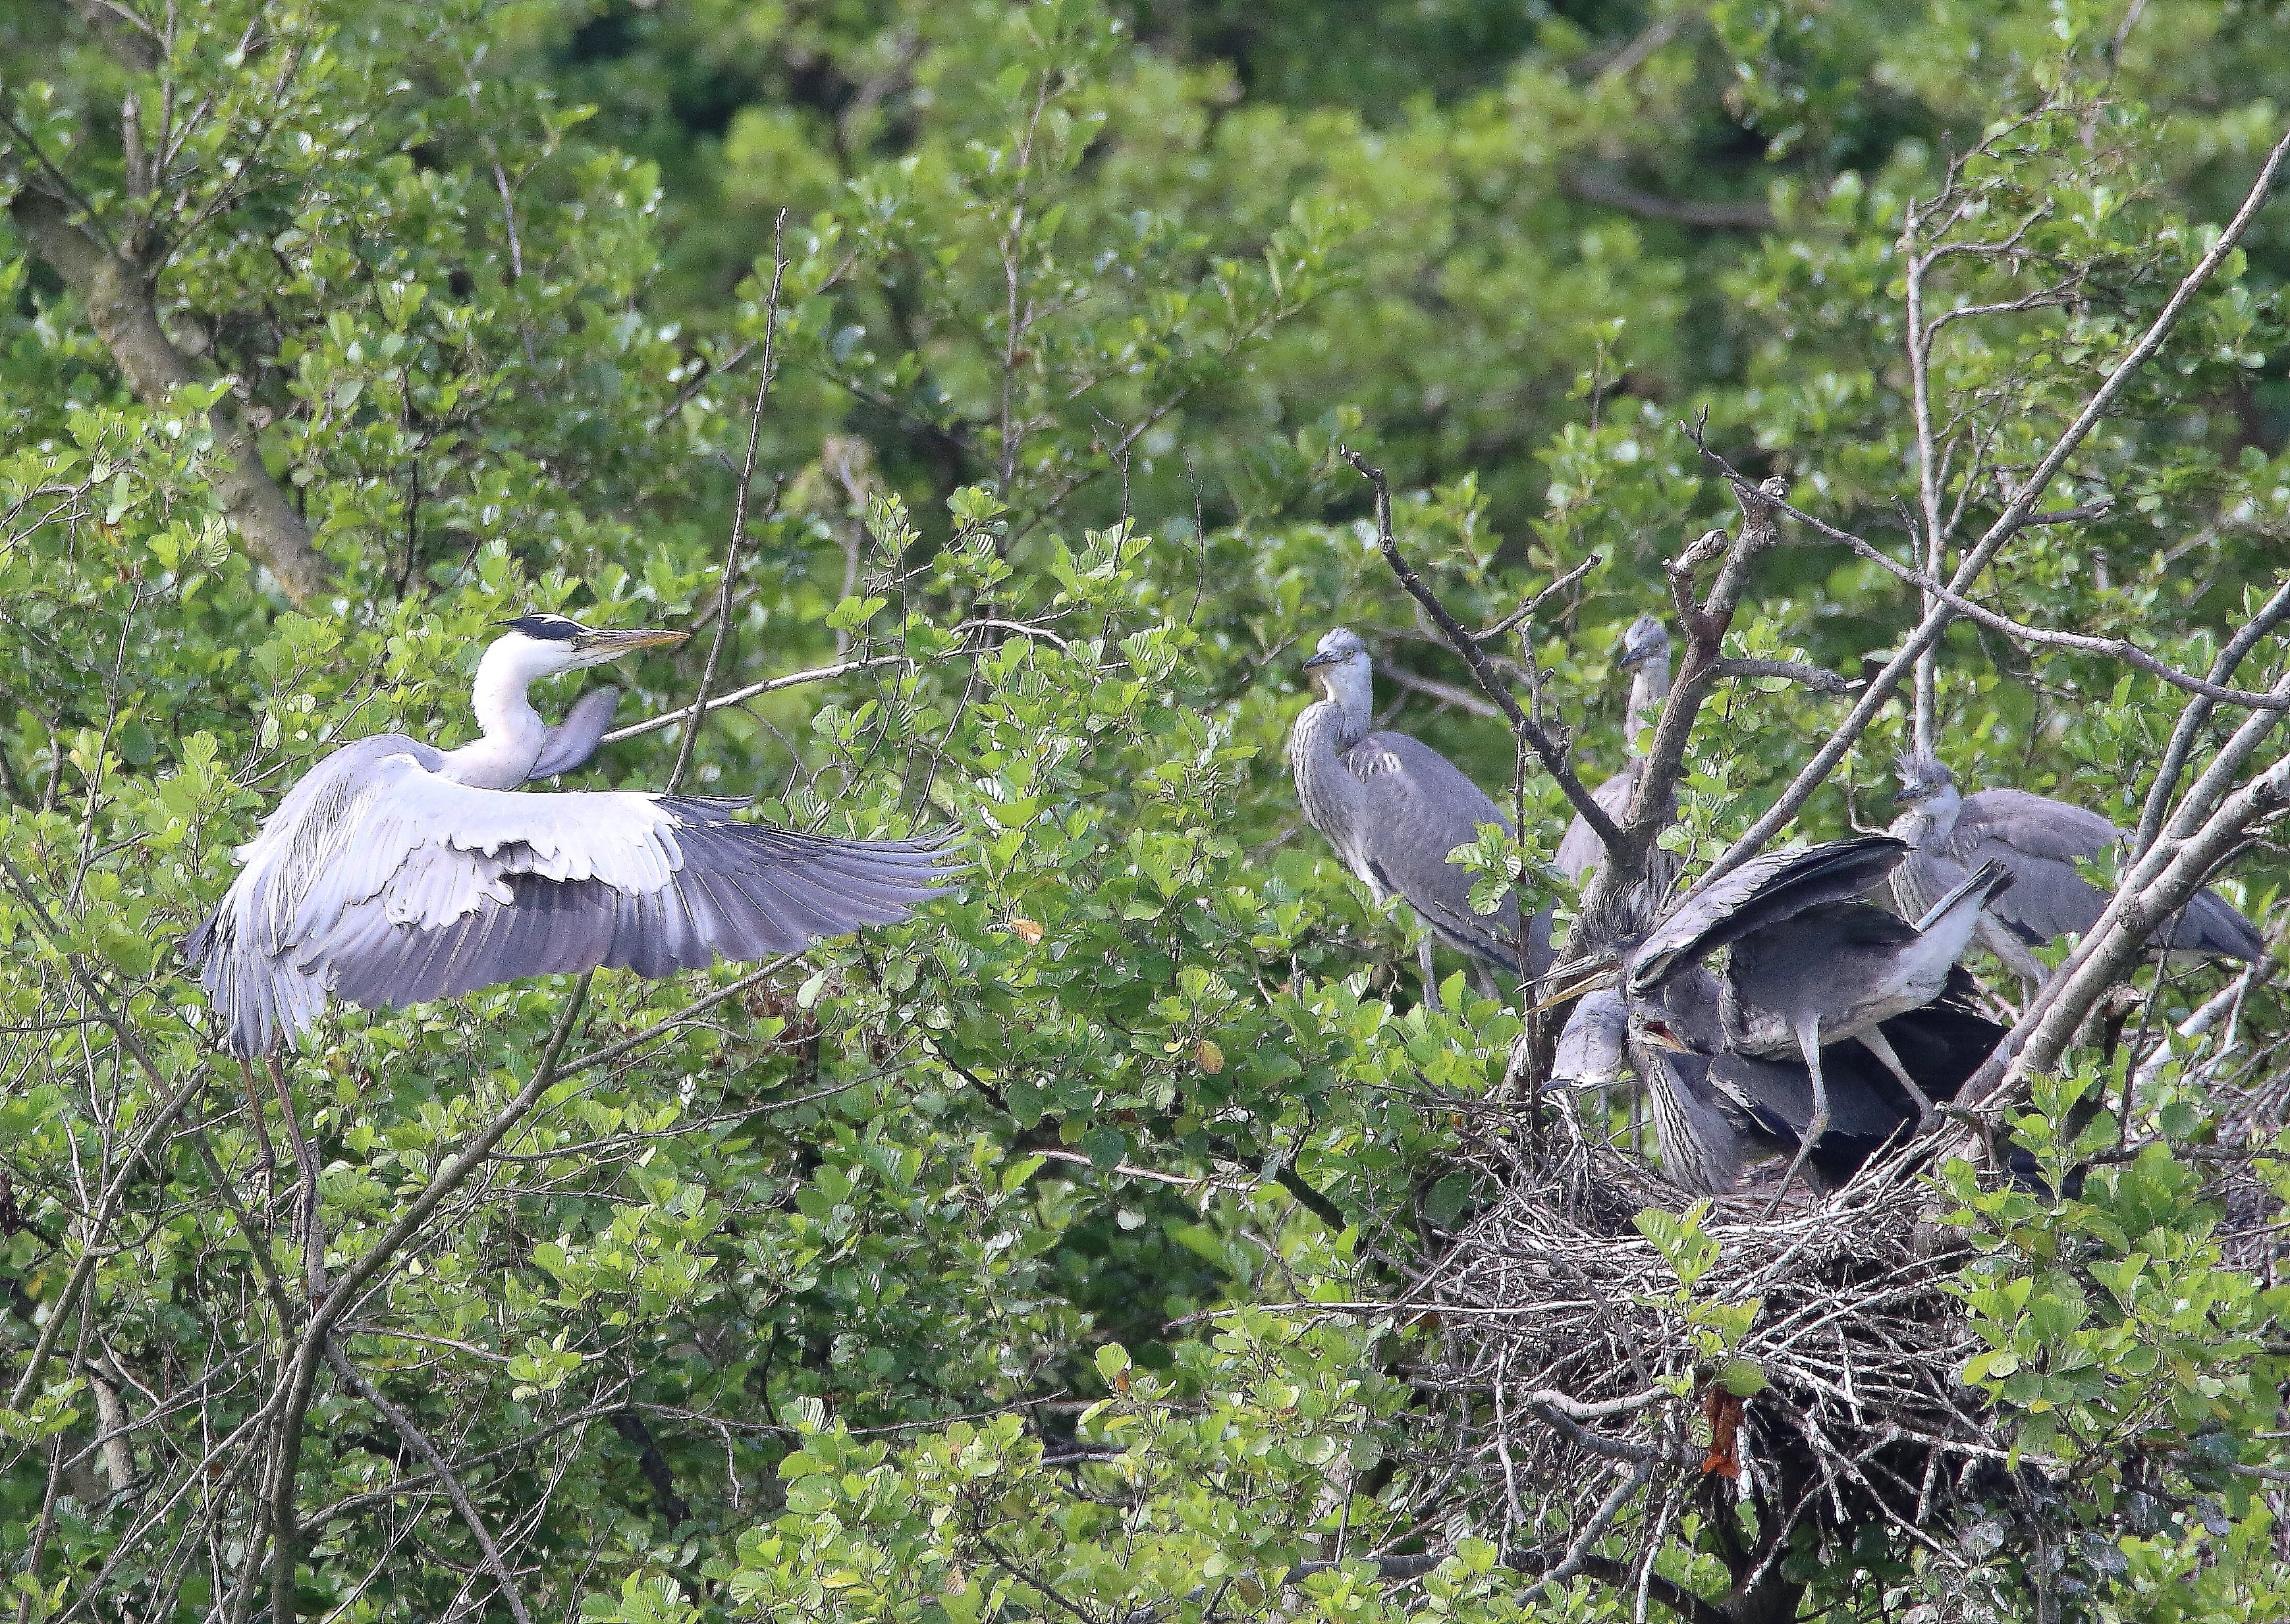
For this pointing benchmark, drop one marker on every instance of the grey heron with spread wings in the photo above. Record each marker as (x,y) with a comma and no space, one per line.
(396,873)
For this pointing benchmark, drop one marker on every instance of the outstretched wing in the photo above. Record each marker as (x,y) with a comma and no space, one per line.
(1765,891)
(1421,807)
(382,882)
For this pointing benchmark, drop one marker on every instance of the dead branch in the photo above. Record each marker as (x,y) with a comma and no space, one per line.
(1547,750)
(2008,525)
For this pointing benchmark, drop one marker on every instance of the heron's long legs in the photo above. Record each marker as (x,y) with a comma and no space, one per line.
(261,1132)
(1875,1041)
(306,1225)
(1430,976)
(1808,1039)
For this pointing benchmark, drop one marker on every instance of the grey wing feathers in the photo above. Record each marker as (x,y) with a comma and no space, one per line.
(383,883)
(1422,807)
(2040,840)
(743,891)
(1765,891)
(569,744)
(2212,925)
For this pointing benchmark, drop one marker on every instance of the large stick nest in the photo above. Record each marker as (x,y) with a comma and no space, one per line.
(1585,1372)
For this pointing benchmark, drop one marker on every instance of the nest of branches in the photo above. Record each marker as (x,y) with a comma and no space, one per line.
(1615,1371)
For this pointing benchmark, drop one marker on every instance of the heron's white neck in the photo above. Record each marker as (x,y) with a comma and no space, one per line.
(1930,821)
(513,731)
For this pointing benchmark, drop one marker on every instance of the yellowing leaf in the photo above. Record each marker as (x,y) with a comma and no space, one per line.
(1210,1056)
(1026,930)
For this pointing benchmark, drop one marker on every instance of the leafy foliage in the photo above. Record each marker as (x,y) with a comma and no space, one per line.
(1041,1258)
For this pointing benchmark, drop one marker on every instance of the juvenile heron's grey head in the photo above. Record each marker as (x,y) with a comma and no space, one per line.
(541,645)
(1646,638)
(1924,782)
(1342,670)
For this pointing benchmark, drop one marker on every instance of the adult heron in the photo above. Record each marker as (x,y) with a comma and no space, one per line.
(394,873)
(1810,964)
(2039,840)
(1646,656)
(1394,808)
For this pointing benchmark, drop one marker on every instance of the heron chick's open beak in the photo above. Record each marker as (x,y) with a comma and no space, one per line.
(1660,1036)
(1569,982)
(610,644)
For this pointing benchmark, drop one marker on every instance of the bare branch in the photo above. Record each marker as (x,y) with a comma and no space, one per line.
(1533,606)
(637,730)
(1819,678)
(2112,648)
(1750,214)
(2008,524)
(1446,694)
(698,710)
(1552,755)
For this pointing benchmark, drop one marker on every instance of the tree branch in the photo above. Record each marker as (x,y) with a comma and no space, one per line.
(1552,755)
(122,307)
(2008,524)
(1750,214)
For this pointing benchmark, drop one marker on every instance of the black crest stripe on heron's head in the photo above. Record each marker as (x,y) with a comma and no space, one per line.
(550,628)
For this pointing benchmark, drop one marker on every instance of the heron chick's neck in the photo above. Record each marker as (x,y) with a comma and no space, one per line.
(1331,795)
(1649,688)
(513,732)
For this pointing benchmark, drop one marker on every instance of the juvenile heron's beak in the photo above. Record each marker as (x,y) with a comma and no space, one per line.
(1662,1037)
(1324,660)
(1633,659)
(1568,983)
(1908,792)
(608,645)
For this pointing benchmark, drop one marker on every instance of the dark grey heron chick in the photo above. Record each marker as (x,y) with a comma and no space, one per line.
(394,873)
(1716,1110)
(1809,965)
(1394,808)
(2039,840)
(1646,656)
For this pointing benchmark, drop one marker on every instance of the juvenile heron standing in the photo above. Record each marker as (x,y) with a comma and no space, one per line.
(1646,656)
(2039,840)
(1394,808)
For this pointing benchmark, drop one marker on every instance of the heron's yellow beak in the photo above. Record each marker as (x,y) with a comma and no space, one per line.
(1569,982)
(606,645)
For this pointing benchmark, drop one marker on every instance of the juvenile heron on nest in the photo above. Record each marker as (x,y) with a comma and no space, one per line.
(1394,808)
(394,873)
(1811,968)
(2039,840)
(1646,656)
